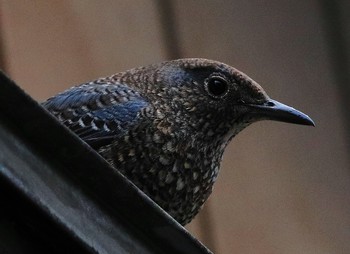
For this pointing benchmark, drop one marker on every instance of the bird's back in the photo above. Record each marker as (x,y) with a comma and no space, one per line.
(98,111)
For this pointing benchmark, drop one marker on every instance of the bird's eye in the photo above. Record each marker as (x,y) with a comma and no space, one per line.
(216,87)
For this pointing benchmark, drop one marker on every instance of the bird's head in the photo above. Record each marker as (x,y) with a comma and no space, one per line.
(216,99)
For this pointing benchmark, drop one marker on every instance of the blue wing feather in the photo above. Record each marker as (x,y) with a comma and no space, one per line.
(97,113)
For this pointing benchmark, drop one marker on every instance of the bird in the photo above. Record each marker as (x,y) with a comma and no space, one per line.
(165,126)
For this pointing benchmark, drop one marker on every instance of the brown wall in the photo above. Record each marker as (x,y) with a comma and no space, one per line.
(282,188)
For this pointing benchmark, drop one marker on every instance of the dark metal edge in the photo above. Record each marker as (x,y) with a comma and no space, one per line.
(79,165)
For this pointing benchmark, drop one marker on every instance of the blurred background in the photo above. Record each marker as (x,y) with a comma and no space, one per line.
(282,188)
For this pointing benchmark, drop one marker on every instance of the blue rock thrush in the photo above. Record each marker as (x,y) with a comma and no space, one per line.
(166,126)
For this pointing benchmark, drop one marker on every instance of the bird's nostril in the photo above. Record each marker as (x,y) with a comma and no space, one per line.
(270,104)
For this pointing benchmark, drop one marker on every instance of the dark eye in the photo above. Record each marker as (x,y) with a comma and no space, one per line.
(217,87)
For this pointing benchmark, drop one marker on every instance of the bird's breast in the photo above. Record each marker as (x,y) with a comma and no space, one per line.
(174,170)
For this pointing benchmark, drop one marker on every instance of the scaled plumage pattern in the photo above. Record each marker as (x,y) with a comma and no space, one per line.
(166,126)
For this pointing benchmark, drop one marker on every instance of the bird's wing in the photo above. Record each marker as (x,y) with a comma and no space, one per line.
(97,113)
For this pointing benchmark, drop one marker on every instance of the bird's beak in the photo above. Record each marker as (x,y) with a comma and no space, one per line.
(274,110)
